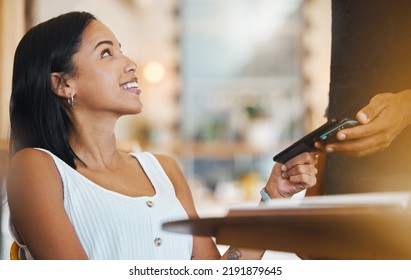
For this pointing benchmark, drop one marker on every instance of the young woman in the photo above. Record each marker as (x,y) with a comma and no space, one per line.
(71,193)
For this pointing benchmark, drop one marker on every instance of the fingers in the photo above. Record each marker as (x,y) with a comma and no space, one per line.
(371,118)
(377,126)
(318,145)
(373,109)
(361,147)
(368,138)
(304,158)
(301,170)
(361,131)
(302,174)
(350,138)
(294,176)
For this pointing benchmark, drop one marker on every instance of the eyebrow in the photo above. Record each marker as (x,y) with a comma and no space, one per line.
(105,42)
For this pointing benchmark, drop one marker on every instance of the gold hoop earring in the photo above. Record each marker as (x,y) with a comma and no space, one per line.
(70,101)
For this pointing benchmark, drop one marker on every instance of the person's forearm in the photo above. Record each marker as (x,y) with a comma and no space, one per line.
(234,253)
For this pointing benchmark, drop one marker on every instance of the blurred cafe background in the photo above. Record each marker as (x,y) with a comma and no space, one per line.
(226,84)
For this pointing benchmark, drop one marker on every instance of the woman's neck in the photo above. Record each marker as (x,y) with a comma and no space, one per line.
(96,149)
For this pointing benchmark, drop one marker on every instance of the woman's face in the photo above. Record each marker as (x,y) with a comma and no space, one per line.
(104,79)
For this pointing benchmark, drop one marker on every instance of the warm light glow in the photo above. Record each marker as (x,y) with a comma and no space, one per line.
(154,72)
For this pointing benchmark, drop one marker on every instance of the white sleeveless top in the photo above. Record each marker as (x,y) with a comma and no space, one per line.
(114,226)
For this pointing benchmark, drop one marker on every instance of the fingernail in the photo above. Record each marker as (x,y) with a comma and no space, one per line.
(283,167)
(284,175)
(363,117)
(329,150)
(341,136)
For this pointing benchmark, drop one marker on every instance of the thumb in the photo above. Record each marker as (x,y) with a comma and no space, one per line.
(370,111)
(362,116)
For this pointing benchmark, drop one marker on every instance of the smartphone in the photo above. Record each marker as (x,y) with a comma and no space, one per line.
(325,134)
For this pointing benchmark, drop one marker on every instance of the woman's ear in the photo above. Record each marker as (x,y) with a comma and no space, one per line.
(60,86)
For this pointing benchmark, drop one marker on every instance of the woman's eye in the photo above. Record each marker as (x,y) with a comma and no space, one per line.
(106,53)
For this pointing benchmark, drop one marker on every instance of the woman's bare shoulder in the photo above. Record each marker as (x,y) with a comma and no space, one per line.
(29,156)
(36,203)
(166,161)
(170,166)
(31,167)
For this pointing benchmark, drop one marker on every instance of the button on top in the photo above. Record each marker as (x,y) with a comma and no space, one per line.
(149,203)
(157,241)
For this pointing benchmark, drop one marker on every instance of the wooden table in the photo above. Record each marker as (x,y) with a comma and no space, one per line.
(369,232)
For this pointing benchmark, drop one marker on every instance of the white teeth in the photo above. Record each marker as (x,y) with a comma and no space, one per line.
(130,85)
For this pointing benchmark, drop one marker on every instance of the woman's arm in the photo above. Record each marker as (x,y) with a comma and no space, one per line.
(203,247)
(35,197)
(285,180)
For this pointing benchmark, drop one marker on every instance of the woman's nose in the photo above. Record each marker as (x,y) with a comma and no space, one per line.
(131,66)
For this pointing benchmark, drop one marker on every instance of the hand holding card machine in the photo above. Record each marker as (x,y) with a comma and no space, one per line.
(325,134)
(330,136)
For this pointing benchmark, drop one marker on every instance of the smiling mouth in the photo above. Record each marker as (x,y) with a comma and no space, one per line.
(131,86)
